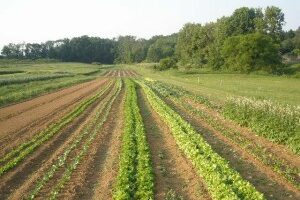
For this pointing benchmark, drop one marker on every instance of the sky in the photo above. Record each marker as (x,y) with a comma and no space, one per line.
(42,20)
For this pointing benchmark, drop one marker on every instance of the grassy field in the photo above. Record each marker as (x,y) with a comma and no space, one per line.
(218,87)
(20,81)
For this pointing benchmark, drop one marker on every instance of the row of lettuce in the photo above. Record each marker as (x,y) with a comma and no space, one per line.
(185,99)
(135,176)
(80,145)
(277,123)
(221,180)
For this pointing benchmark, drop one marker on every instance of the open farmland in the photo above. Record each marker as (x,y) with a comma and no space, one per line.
(120,135)
(21,81)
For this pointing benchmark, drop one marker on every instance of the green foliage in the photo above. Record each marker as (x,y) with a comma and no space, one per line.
(244,20)
(180,96)
(222,181)
(30,78)
(166,63)
(251,52)
(135,177)
(130,50)
(274,20)
(79,49)
(163,47)
(278,123)
(192,44)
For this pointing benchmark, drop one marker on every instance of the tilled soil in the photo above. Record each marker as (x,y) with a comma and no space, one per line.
(21,121)
(17,182)
(174,174)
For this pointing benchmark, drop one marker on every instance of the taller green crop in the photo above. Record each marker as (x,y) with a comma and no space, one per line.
(135,178)
(222,181)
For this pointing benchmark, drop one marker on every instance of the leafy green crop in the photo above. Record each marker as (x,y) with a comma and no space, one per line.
(135,178)
(222,181)
(278,123)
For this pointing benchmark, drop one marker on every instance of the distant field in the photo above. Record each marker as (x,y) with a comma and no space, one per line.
(20,81)
(217,87)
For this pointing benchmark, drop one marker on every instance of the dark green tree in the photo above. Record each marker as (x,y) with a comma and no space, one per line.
(251,52)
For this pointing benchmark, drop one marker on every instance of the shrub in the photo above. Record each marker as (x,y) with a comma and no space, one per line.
(166,63)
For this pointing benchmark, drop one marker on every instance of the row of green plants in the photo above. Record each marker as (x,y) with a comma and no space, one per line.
(135,176)
(175,91)
(268,158)
(278,123)
(93,125)
(222,181)
(84,149)
(16,155)
(30,78)
(20,92)
(2,72)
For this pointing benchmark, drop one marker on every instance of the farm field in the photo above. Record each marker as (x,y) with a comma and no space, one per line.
(218,86)
(21,81)
(124,132)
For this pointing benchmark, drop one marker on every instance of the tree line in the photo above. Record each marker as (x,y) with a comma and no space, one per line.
(250,39)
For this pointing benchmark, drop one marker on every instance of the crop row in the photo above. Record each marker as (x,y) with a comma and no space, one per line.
(27,78)
(268,158)
(222,181)
(174,91)
(278,123)
(19,92)
(84,149)
(92,126)
(135,177)
(16,155)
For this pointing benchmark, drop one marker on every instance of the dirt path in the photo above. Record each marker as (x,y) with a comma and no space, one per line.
(17,129)
(174,174)
(19,181)
(261,176)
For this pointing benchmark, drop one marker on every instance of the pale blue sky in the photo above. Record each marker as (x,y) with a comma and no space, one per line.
(41,20)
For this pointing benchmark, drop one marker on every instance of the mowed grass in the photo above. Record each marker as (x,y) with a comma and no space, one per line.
(217,87)
(30,80)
